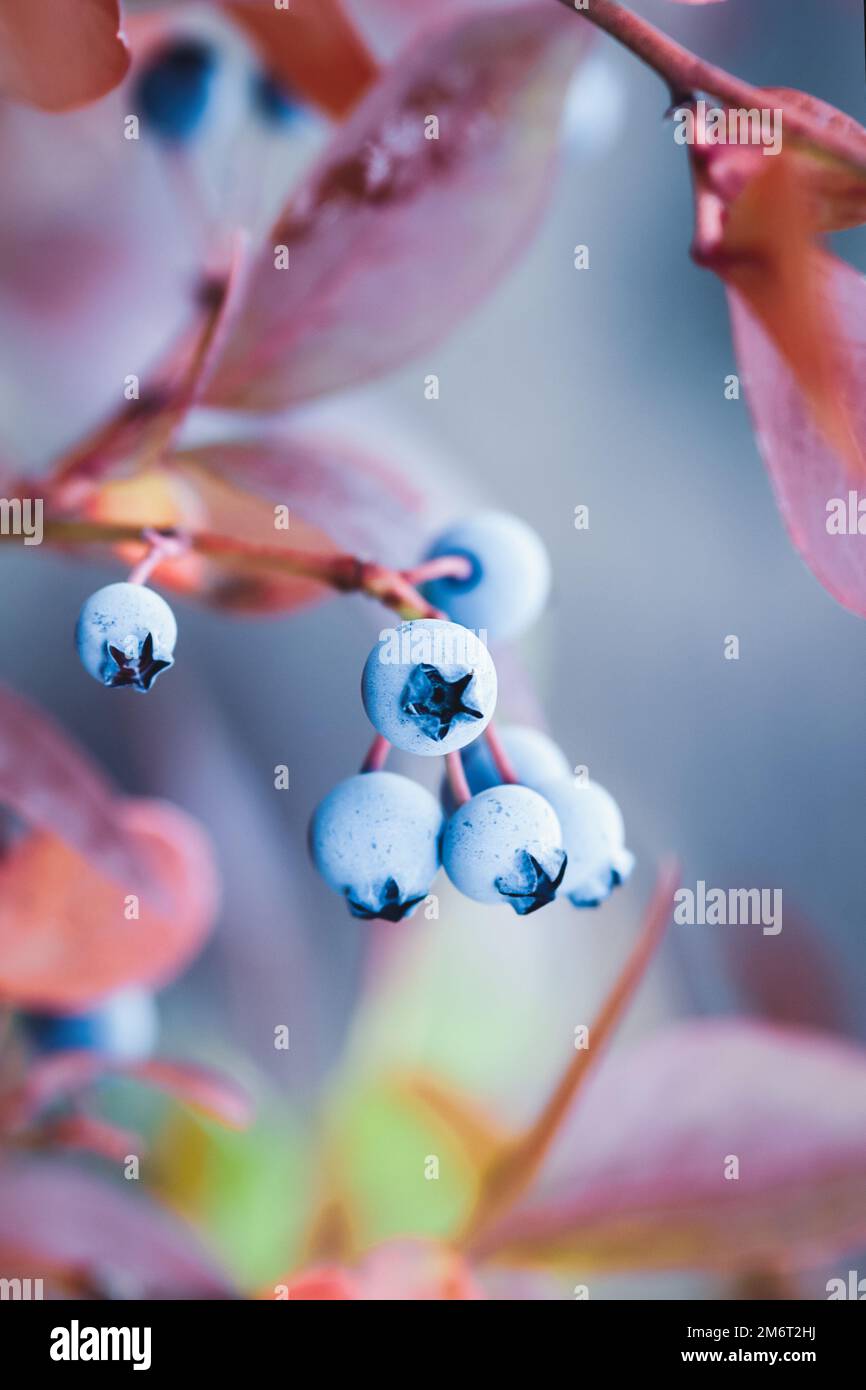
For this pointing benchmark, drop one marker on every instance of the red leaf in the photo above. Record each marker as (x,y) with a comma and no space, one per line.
(806,472)
(312,47)
(54,1219)
(64,938)
(638,1177)
(60,53)
(88,1134)
(396,236)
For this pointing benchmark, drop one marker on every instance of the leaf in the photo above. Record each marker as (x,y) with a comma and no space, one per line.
(64,939)
(637,1179)
(807,474)
(395,237)
(769,254)
(55,1220)
(57,54)
(47,782)
(88,1134)
(838,192)
(312,47)
(397,1271)
(60,1077)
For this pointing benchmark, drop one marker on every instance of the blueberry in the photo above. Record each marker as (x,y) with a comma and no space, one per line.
(375,840)
(124,1027)
(510,578)
(174,87)
(505,845)
(273,100)
(125,635)
(594,837)
(429,686)
(534,757)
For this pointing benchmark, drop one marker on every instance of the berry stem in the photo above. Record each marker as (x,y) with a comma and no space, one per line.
(684,73)
(443,567)
(517,1164)
(163,546)
(457,778)
(500,758)
(377,754)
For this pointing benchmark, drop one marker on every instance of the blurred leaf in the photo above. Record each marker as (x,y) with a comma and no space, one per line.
(52,786)
(312,47)
(62,1076)
(57,54)
(399,1271)
(838,192)
(65,941)
(637,1179)
(806,472)
(58,1219)
(395,236)
(88,1134)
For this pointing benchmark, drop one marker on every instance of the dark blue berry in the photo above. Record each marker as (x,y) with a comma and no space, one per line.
(174,88)
(273,101)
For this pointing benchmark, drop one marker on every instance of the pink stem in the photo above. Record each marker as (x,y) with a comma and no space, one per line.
(500,758)
(377,754)
(443,567)
(685,73)
(457,778)
(162,547)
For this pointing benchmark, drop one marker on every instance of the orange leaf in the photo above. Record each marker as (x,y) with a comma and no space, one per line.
(64,939)
(311,46)
(57,54)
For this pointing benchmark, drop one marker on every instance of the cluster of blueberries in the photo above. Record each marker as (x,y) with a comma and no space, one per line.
(429,687)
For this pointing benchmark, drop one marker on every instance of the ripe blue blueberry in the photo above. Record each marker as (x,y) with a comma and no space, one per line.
(594,837)
(429,686)
(174,87)
(125,635)
(124,1027)
(272,100)
(375,840)
(510,578)
(505,845)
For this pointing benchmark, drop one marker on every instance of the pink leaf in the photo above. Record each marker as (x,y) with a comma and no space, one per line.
(396,236)
(806,472)
(327,483)
(638,1177)
(57,54)
(88,1134)
(55,1220)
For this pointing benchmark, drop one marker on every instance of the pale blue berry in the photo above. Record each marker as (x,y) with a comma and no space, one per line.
(429,686)
(126,635)
(375,841)
(510,578)
(123,1027)
(505,846)
(594,838)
